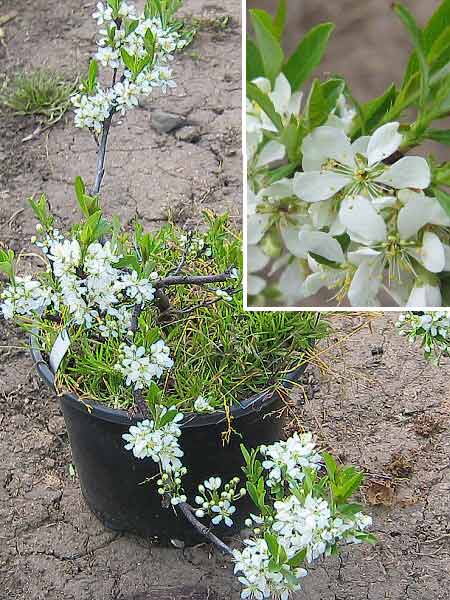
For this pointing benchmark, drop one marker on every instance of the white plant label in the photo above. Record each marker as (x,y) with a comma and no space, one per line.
(59,350)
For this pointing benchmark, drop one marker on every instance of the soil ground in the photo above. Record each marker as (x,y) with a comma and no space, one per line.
(381,407)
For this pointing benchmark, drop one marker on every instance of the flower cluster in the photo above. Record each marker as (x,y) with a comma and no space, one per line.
(148,439)
(432,329)
(139,368)
(202,405)
(288,459)
(218,504)
(301,524)
(24,297)
(141,49)
(396,234)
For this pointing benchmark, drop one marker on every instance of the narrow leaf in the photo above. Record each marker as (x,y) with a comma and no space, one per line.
(307,55)
(271,53)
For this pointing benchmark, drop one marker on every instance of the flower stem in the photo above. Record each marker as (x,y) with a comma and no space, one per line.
(188,512)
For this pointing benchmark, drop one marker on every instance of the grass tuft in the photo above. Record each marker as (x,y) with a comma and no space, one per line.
(42,93)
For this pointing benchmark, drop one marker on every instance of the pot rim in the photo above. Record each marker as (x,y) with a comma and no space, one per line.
(253,404)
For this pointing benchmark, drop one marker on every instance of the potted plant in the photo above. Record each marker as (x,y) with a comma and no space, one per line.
(166,385)
(340,200)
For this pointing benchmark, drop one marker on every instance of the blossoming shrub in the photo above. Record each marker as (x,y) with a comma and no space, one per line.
(338,197)
(153,323)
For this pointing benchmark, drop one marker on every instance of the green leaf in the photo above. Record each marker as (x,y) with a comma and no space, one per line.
(298,559)
(272,544)
(307,55)
(316,106)
(254,64)
(418,41)
(332,90)
(437,24)
(92,75)
(290,138)
(253,493)
(80,189)
(128,60)
(282,172)
(330,465)
(7,263)
(443,198)
(439,135)
(271,52)
(374,111)
(256,95)
(279,21)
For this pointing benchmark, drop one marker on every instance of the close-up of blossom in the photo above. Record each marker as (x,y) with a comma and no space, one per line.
(343,206)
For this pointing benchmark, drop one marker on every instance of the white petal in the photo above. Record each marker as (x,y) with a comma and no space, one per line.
(413,215)
(362,220)
(256,227)
(366,283)
(256,259)
(291,241)
(431,255)
(381,202)
(291,281)
(425,296)
(270,153)
(263,84)
(315,186)
(447,257)
(252,201)
(325,143)
(280,189)
(295,104)
(281,94)
(383,143)
(322,244)
(359,256)
(321,214)
(316,281)
(361,144)
(255,285)
(408,172)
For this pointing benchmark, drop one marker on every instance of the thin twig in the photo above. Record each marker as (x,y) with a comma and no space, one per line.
(183,258)
(192,280)
(101,157)
(188,512)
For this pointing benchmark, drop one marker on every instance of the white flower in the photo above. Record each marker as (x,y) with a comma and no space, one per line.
(224,511)
(108,57)
(202,405)
(140,369)
(103,14)
(25,296)
(331,163)
(140,289)
(65,256)
(161,445)
(290,458)
(224,295)
(213,483)
(126,95)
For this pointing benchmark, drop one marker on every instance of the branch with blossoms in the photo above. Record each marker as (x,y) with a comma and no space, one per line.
(300,496)
(431,329)
(335,201)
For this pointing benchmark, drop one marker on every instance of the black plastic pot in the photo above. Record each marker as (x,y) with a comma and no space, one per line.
(112,479)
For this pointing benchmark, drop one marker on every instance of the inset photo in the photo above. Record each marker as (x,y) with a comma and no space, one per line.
(347,157)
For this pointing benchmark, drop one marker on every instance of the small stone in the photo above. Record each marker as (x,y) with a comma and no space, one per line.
(56,425)
(188,134)
(165,122)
